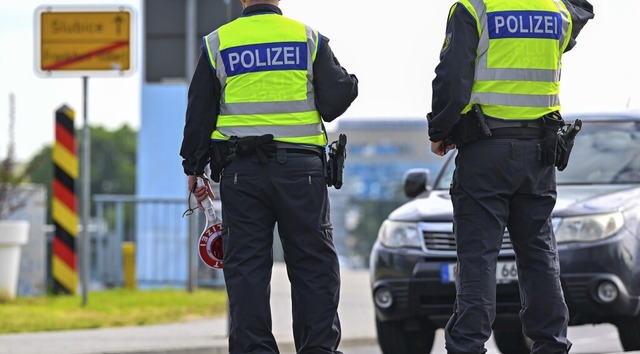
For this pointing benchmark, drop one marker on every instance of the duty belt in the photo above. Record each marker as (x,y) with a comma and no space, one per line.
(300,149)
(253,144)
(523,129)
(500,123)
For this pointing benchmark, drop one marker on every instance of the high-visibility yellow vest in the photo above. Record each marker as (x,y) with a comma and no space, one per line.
(518,60)
(265,65)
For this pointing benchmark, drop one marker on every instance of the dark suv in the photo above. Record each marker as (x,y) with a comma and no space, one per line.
(596,222)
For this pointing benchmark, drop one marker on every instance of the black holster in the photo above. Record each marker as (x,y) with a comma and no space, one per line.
(335,165)
(553,146)
(562,153)
(471,127)
(566,138)
(550,146)
(260,146)
(220,158)
(465,132)
(223,152)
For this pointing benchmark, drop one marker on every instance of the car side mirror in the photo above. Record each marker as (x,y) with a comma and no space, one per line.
(415,182)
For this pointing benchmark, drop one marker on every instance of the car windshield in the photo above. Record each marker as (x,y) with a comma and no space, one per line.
(604,153)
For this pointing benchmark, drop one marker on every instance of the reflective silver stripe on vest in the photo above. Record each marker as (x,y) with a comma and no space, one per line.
(285,131)
(268,107)
(312,44)
(483,45)
(214,48)
(505,99)
(483,73)
(566,18)
(517,74)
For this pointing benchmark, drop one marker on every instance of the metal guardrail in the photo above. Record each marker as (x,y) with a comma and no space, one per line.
(165,243)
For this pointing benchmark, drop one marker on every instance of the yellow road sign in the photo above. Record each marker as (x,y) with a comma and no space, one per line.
(84,41)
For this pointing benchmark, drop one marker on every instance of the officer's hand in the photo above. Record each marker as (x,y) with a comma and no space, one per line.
(201,192)
(439,148)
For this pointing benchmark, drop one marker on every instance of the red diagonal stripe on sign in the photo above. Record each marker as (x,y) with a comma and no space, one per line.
(88,55)
(65,138)
(64,195)
(64,253)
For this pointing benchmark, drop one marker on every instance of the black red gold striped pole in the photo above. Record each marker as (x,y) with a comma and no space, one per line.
(64,210)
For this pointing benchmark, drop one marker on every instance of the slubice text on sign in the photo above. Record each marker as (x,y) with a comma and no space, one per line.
(83,40)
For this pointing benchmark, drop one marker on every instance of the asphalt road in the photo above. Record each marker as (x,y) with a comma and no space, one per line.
(586,339)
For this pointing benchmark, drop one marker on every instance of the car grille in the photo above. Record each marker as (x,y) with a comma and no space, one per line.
(578,289)
(445,241)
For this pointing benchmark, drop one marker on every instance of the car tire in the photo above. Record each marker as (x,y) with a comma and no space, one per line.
(393,338)
(512,341)
(629,332)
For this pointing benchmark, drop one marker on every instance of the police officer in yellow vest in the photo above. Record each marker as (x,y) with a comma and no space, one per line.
(259,94)
(495,99)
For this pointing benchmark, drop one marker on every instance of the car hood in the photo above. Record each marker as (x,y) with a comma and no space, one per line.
(572,200)
(435,207)
(590,199)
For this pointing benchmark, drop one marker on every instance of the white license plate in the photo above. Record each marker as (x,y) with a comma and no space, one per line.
(506,272)
(448,272)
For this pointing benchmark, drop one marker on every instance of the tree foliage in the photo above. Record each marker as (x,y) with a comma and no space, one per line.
(113,162)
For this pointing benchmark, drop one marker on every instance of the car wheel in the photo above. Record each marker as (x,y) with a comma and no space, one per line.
(512,342)
(393,338)
(629,332)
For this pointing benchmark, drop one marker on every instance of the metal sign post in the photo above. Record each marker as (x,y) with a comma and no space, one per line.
(86,195)
(84,42)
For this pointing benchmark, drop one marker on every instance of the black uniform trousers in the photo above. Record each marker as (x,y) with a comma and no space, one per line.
(502,183)
(289,189)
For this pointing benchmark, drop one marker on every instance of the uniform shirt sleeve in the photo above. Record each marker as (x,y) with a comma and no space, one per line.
(581,12)
(451,87)
(335,88)
(203,107)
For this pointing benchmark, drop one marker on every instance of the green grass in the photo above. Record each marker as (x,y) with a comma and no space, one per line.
(111,308)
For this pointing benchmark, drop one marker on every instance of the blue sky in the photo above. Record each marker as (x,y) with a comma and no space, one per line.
(391,46)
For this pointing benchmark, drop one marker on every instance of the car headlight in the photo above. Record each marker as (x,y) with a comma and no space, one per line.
(399,234)
(589,227)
